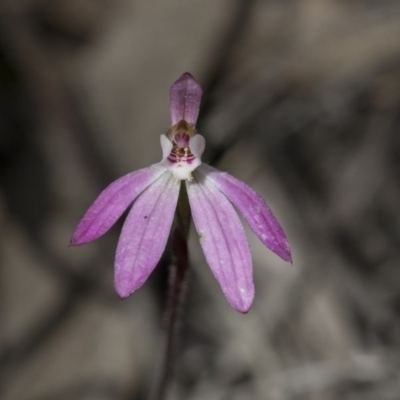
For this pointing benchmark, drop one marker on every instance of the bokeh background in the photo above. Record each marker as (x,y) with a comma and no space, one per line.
(301,100)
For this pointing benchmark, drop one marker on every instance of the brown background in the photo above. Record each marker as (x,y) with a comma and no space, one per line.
(302,101)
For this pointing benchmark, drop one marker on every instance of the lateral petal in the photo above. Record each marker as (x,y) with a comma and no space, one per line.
(112,202)
(254,209)
(145,234)
(223,240)
(166,146)
(197,144)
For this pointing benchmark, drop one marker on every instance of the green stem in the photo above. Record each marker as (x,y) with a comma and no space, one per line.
(178,276)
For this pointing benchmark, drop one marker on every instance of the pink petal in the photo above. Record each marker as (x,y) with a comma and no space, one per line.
(145,234)
(254,209)
(112,202)
(185,96)
(223,241)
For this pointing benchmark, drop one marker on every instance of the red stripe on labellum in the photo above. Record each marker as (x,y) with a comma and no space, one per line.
(181,151)
(181,155)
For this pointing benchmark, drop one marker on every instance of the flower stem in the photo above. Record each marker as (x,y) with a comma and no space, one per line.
(178,276)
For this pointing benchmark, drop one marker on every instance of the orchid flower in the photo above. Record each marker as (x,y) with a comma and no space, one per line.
(212,194)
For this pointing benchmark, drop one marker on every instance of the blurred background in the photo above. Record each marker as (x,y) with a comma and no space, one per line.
(301,100)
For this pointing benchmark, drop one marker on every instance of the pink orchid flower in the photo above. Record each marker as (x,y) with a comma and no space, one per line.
(212,194)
